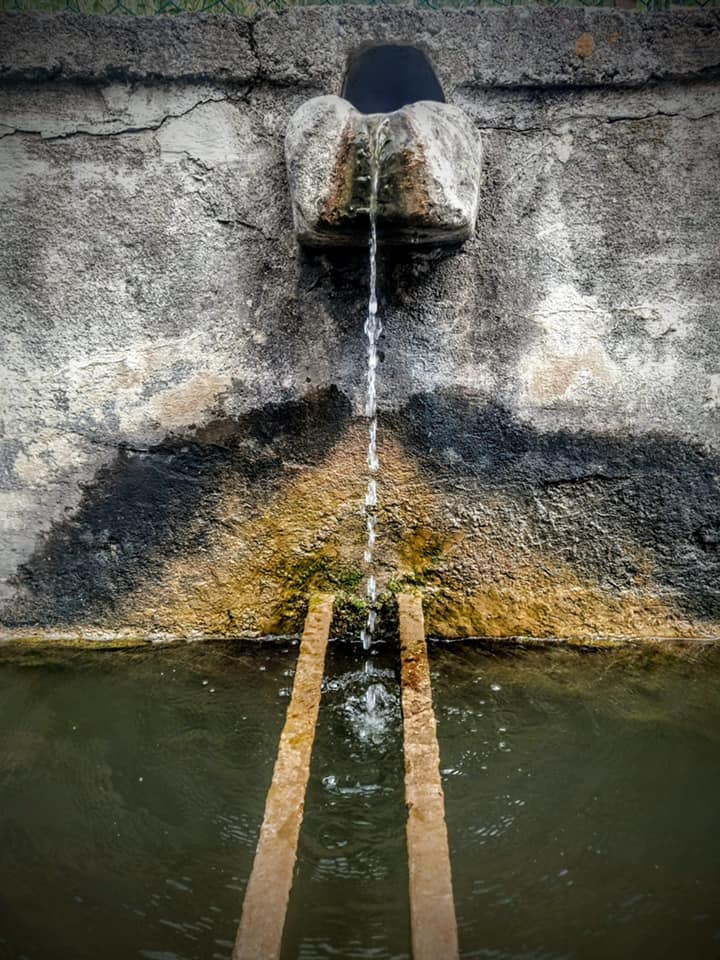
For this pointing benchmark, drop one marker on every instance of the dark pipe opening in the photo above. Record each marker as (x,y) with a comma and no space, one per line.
(384,78)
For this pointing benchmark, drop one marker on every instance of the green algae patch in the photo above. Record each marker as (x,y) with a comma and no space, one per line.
(248,563)
(50,640)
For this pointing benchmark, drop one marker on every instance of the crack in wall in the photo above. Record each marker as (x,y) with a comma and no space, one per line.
(125,131)
(553,127)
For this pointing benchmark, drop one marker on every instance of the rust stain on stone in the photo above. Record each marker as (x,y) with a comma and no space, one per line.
(541,596)
(263,916)
(413,186)
(260,559)
(338,200)
(585,45)
(404,195)
(432,907)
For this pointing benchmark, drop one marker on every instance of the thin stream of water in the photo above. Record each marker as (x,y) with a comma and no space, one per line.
(373,329)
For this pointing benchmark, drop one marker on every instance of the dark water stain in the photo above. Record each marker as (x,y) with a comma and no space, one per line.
(150,505)
(619,511)
(587,497)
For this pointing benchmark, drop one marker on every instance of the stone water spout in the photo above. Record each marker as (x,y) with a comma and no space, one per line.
(428,152)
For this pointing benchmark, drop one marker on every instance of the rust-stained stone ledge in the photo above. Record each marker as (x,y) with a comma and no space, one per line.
(130,639)
(432,906)
(122,638)
(266,897)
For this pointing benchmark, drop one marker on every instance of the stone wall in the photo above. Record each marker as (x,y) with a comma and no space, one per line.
(182,446)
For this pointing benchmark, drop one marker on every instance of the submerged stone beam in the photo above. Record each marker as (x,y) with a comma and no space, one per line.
(432,907)
(263,915)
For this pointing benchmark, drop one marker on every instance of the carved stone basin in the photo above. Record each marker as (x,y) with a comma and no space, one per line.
(428,157)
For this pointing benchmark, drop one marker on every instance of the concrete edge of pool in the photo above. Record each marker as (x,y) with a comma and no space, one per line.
(127,639)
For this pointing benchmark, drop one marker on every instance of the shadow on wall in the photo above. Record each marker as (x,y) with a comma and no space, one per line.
(150,506)
(582,498)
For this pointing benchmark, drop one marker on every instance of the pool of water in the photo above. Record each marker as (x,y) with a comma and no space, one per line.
(132,788)
(581,799)
(580,790)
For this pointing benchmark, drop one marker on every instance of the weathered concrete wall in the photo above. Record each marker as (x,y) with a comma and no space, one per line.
(182,446)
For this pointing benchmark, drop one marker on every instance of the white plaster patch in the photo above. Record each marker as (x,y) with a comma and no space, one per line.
(568,356)
(63,111)
(211,134)
(711,400)
(188,402)
(563,147)
(44,456)
(146,106)
(144,389)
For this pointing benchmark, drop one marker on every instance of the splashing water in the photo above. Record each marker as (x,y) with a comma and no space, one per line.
(373,329)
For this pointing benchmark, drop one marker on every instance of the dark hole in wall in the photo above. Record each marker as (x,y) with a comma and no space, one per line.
(386,77)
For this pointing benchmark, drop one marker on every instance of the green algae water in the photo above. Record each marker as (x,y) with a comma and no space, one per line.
(132,789)
(581,793)
(581,799)
(350,897)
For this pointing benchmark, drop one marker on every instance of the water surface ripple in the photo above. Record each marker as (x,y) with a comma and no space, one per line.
(581,793)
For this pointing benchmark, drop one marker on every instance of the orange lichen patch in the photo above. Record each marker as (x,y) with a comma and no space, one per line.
(412,183)
(542,596)
(260,560)
(481,580)
(560,609)
(585,45)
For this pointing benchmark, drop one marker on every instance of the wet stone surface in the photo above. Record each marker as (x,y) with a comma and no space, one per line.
(429,159)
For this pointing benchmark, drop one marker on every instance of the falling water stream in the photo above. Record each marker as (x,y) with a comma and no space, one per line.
(373,329)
